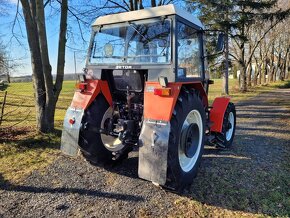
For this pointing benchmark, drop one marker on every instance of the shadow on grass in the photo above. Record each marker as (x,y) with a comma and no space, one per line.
(51,140)
(20,140)
(5,185)
(284,86)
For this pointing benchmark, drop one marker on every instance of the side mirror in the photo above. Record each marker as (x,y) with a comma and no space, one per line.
(220,42)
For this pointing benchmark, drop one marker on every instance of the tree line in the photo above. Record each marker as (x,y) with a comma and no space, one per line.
(258,37)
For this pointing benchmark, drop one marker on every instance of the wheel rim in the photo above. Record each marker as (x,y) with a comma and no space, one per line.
(231,120)
(188,160)
(110,142)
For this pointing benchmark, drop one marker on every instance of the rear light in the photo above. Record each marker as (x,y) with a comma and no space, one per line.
(162,91)
(72,121)
(81,86)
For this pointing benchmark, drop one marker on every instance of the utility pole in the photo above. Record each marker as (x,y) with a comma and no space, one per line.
(226,70)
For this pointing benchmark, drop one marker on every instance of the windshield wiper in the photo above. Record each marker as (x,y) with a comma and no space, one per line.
(132,25)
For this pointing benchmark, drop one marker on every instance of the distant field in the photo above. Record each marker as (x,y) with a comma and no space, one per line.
(20,101)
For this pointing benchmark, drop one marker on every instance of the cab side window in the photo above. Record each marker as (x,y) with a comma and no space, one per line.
(189,52)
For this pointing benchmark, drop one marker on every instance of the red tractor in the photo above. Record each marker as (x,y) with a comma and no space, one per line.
(145,87)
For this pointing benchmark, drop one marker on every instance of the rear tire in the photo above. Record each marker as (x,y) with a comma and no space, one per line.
(186,140)
(90,142)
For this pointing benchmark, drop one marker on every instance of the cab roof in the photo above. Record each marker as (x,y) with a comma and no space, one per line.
(160,11)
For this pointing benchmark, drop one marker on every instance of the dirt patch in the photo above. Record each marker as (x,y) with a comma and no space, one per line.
(251,179)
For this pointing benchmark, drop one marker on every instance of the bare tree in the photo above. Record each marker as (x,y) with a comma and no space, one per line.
(45,90)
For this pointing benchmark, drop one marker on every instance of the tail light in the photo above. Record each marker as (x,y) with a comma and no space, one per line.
(72,120)
(162,91)
(81,86)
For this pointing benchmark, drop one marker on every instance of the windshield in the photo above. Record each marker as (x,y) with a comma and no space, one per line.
(142,42)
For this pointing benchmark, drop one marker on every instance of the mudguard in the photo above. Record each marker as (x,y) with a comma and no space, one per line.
(70,132)
(94,87)
(153,151)
(217,113)
(154,137)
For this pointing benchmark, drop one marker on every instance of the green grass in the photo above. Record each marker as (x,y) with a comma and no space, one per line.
(20,101)
(20,104)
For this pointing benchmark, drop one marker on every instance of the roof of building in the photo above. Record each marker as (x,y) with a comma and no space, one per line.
(147,13)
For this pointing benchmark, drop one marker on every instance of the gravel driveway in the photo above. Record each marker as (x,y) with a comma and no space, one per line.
(235,182)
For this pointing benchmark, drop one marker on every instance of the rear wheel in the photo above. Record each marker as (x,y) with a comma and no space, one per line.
(97,148)
(186,140)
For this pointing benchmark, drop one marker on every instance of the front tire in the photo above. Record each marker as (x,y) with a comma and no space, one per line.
(186,140)
(225,139)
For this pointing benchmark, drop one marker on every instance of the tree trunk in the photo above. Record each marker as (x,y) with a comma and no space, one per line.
(243,78)
(8,78)
(45,92)
(61,49)
(260,76)
(284,65)
(272,66)
(226,67)
(255,77)
(141,4)
(257,73)
(249,75)
(131,5)
(46,67)
(266,72)
(287,67)
(36,62)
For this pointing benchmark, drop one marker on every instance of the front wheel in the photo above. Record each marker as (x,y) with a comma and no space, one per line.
(186,140)
(226,137)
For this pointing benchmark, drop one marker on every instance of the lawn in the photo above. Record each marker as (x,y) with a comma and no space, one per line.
(20,101)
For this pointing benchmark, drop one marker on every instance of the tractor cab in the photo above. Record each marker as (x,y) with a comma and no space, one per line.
(156,42)
(144,88)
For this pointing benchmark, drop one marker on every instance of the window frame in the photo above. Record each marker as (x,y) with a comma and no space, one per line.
(200,36)
(171,19)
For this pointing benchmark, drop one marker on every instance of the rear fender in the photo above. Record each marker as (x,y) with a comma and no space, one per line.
(154,137)
(82,100)
(73,119)
(161,107)
(217,113)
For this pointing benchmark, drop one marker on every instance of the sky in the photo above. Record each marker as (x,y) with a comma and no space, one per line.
(14,36)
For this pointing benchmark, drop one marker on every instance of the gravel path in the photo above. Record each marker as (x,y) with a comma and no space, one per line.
(230,182)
